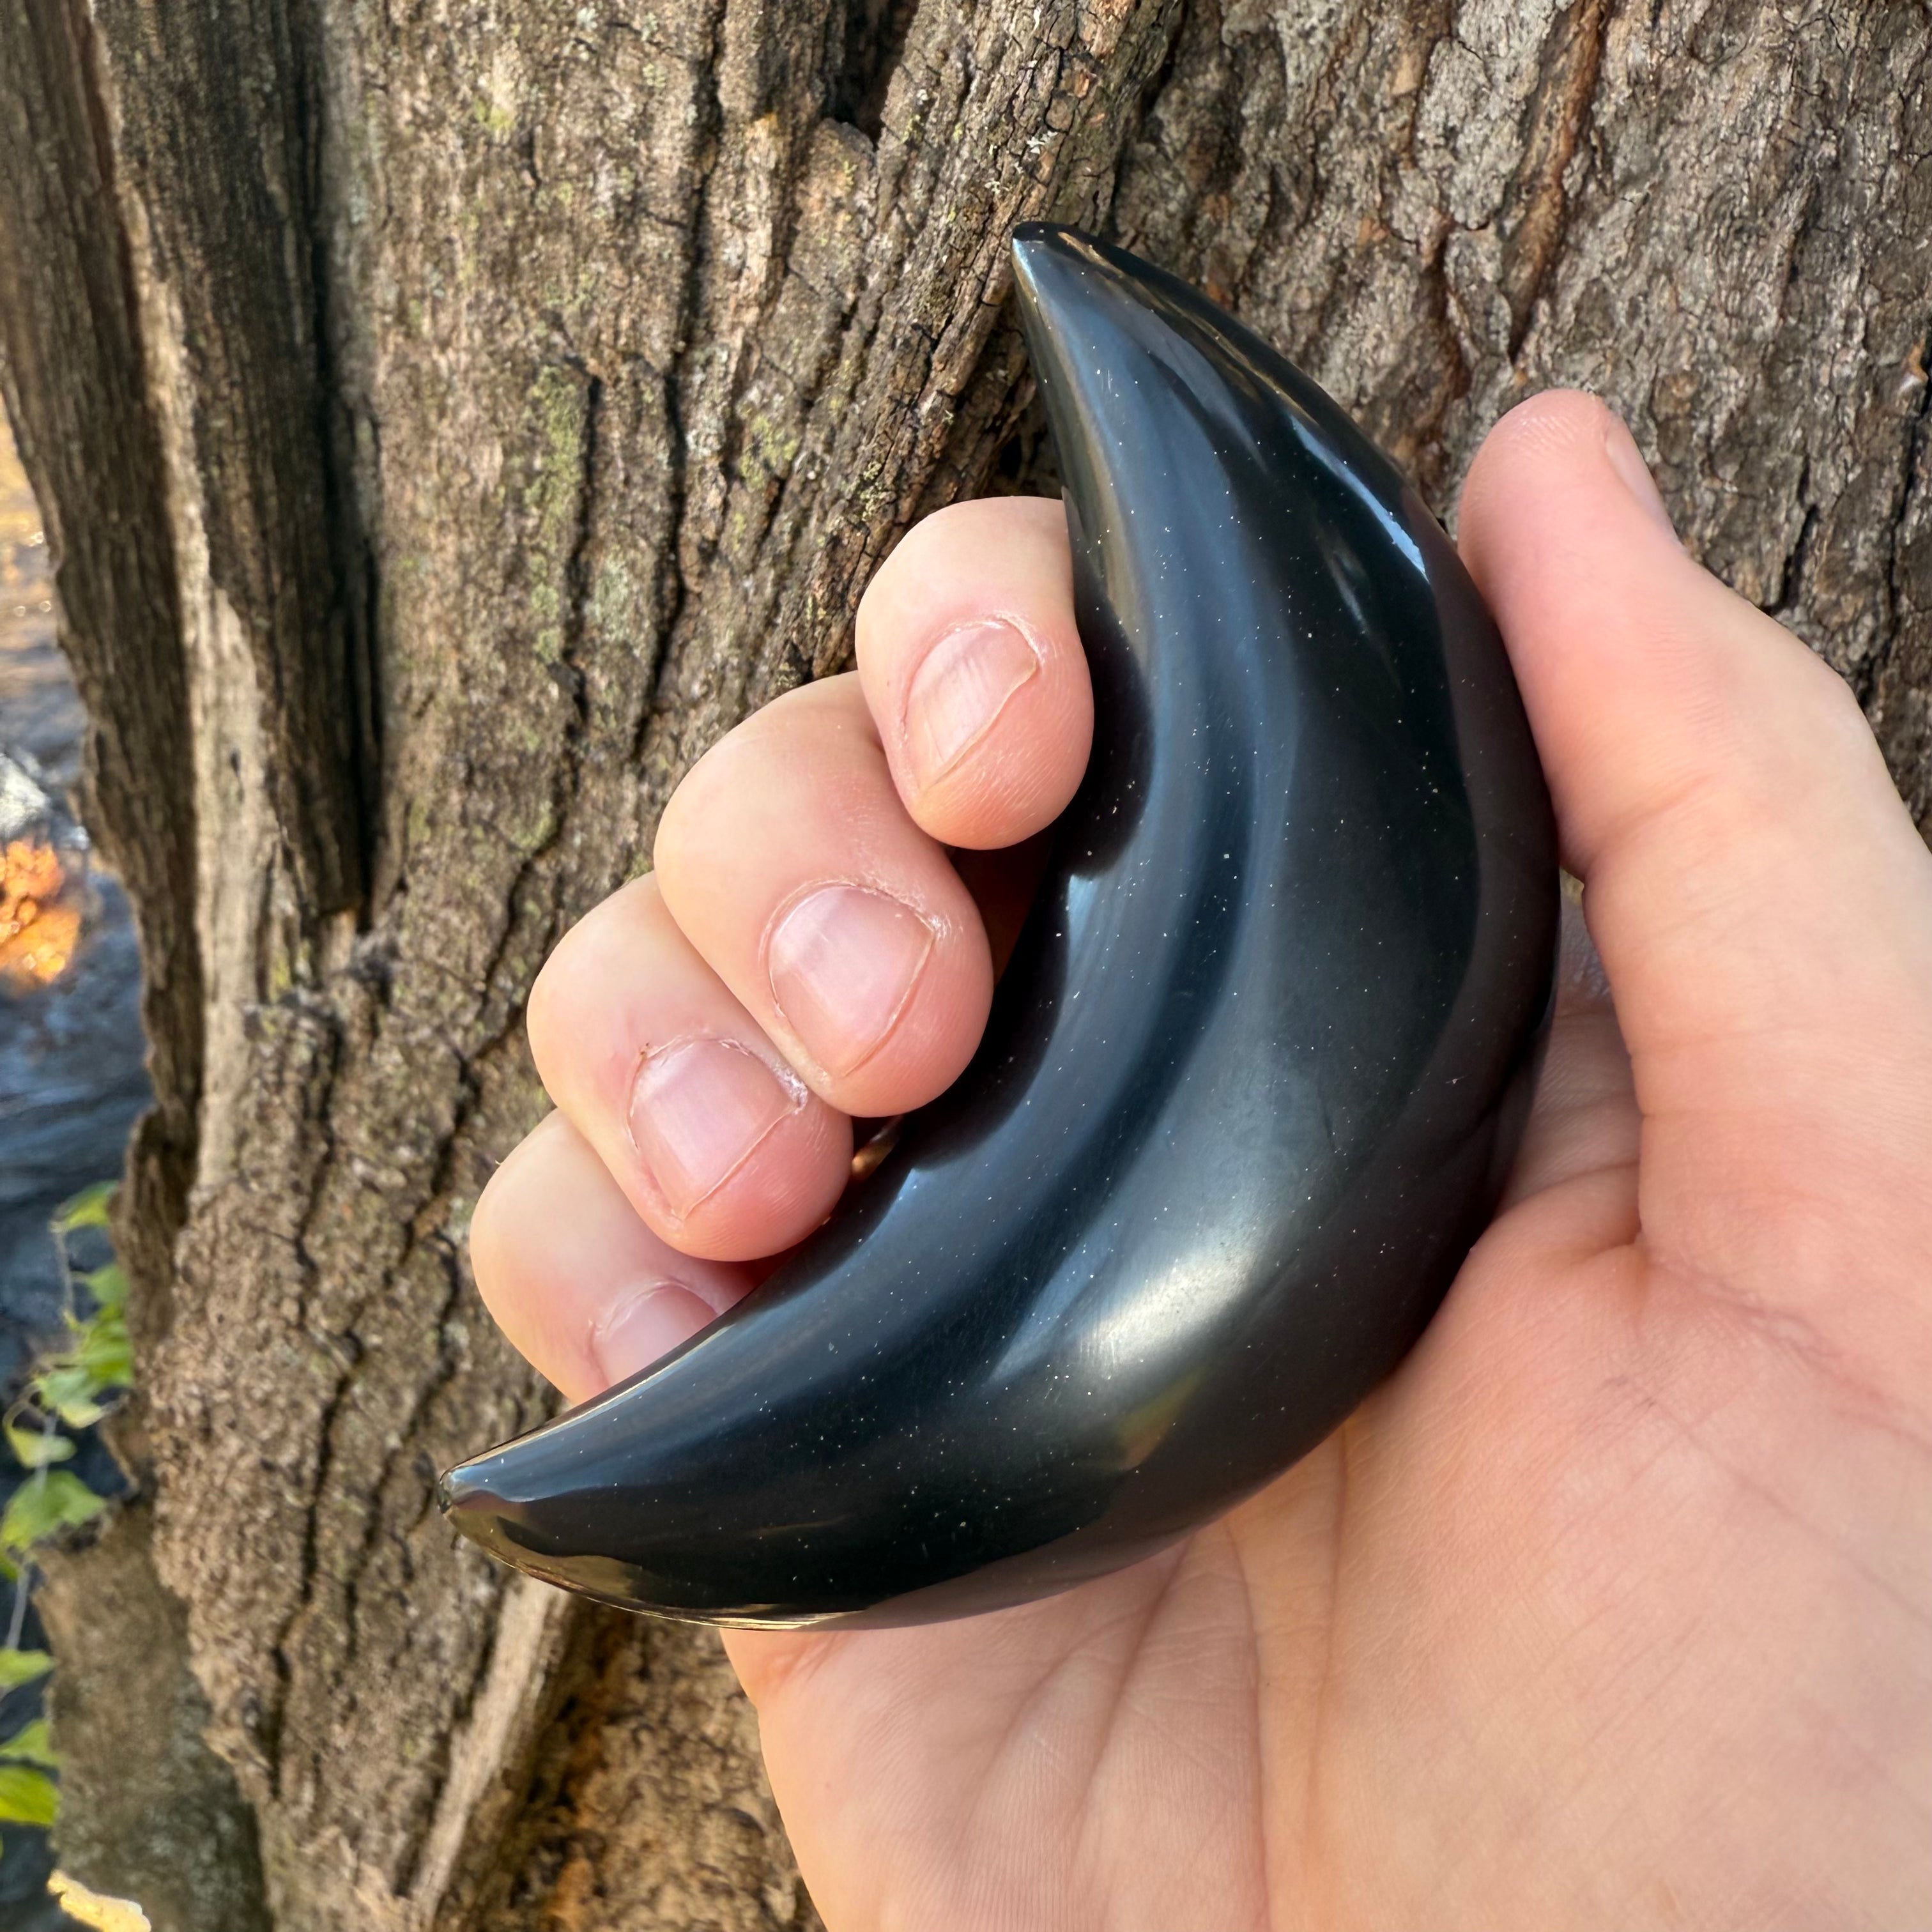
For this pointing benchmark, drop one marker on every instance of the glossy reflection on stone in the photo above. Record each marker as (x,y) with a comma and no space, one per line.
(1252,1082)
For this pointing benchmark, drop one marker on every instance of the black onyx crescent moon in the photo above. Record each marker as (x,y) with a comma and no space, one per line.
(1252,1082)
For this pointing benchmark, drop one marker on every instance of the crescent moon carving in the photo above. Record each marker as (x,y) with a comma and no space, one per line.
(1252,1082)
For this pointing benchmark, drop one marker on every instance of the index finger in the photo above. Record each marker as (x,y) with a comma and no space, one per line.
(973,670)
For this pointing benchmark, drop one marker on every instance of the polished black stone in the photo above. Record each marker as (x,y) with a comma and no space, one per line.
(1252,1082)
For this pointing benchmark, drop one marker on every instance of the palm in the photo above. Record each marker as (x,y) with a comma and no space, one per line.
(1421,1679)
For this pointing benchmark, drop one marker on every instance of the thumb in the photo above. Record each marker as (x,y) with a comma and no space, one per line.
(1762,901)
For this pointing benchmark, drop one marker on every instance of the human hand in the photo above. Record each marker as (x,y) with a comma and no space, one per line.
(1613,1606)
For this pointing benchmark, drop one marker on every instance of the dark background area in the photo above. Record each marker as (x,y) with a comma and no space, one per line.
(71,1073)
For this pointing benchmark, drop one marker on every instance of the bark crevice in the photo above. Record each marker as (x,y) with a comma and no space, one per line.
(1910,494)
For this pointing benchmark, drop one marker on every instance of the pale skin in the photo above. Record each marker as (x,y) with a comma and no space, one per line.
(1613,1606)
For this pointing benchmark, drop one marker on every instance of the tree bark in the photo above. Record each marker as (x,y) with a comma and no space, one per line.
(450,417)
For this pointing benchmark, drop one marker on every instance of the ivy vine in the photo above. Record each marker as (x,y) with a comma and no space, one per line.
(69,1389)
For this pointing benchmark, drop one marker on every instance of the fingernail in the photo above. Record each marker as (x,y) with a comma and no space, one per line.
(843,962)
(962,684)
(698,1108)
(648,1322)
(1627,460)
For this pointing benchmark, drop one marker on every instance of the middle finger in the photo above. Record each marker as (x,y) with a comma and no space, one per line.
(788,860)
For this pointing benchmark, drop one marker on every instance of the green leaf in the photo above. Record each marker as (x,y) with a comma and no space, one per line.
(55,1499)
(108,1286)
(22,1666)
(35,1448)
(88,1209)
(30,1744)
(69,1390)
(27,1797)
(104,1351)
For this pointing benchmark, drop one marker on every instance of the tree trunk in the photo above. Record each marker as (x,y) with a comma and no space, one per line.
(450,417)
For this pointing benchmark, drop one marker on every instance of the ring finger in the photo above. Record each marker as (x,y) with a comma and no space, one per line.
(585,1290)
(705,1128)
